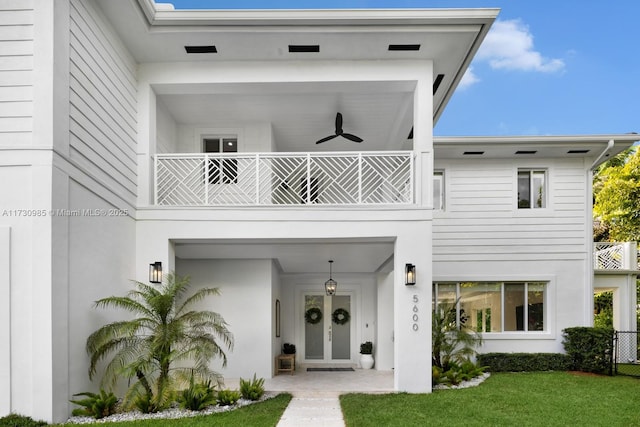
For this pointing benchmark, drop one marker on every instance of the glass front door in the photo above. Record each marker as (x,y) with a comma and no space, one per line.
(327,328)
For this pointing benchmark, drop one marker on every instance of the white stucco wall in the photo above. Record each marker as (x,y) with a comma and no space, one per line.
(245,302)
(252,137)
(384,324)
(623,287)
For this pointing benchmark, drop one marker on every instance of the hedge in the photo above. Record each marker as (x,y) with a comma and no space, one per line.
(589,349)
(519,362)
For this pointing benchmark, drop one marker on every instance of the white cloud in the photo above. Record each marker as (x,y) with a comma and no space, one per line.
(468,79)
(509,46)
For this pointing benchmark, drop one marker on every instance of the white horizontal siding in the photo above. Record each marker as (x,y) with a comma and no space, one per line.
(16,72)
(102,97)
(482,223)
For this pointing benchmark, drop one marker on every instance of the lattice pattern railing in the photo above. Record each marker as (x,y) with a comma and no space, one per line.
(344,178)
(615,256)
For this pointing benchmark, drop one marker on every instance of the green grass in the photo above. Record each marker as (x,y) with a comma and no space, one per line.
(260,414)
(629,369)
(507,399)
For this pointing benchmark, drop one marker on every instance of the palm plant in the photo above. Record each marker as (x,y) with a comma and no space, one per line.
(451,343)
(165,332)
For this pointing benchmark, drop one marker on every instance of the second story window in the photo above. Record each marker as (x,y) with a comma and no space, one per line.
(438,190)
(222,170)
(532,189)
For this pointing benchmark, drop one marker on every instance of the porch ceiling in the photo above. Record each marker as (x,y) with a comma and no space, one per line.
(377,113)
(301,114)
(297,256)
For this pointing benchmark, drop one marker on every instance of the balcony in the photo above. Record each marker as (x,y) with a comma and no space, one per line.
(616,256)
(284,179)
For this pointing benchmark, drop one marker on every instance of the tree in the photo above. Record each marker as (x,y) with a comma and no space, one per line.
(617,197)
(166,332)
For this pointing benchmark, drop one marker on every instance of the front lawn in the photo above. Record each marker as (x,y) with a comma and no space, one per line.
(506,399)
(259,414)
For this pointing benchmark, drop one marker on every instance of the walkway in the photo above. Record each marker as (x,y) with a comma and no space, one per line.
(313,409)
(315,400)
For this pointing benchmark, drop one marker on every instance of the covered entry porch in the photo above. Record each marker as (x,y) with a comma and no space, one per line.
(267,281)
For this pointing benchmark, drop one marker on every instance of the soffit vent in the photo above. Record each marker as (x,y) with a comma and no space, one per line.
(304,48)
(436,83)
(404,47)
(473,153)
(201,49)
(578,151)
(526,152)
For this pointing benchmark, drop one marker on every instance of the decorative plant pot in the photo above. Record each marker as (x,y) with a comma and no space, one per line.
(366,361)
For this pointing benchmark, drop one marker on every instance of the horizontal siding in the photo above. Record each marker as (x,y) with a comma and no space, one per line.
(16,72)
(481,221)
(103,98)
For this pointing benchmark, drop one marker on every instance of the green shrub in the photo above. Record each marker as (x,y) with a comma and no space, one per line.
(95,405)
(455,373)
(252,390)
(198,396)
(589,349)
(228,397)
(15,420)
(520,362)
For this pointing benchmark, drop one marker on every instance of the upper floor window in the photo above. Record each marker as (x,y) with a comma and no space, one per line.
(495,306)
(221,170)
(438,190)
(532,191)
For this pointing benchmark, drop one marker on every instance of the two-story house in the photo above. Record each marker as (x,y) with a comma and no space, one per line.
(247,149)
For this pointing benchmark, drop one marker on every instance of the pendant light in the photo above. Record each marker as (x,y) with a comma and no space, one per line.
(330,285)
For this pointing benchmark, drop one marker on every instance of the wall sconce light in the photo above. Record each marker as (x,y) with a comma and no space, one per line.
(155,272)
(409,274)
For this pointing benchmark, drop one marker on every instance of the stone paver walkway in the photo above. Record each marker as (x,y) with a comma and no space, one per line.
(313,409)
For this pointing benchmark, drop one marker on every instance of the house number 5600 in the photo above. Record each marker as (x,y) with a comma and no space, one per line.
(415,313)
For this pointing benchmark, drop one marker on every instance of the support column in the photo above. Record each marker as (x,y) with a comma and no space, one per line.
(412,310)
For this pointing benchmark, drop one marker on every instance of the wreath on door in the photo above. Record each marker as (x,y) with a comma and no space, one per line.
(340,316)
(313,315)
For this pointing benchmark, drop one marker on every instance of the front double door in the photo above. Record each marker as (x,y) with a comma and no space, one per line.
(327,329)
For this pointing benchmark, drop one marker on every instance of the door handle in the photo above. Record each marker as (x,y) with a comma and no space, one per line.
(329,335)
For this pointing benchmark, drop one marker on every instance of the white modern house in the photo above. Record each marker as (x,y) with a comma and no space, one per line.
(133,134)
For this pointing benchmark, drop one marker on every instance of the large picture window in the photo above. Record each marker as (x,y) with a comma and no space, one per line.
(532,192)
(495,306)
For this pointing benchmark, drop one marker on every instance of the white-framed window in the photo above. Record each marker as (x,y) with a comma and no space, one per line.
(438,190)
(496,306)
(221,170)
(532,188)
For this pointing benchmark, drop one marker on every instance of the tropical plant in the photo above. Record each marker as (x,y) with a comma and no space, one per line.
(97,405)
(451,343)
(366,347)
(166,332)
(252,390)
(228,397)
(197,396)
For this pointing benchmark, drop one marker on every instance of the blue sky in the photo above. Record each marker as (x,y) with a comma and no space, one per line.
(548,67)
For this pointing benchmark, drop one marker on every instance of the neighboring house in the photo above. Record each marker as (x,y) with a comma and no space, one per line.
(133,134)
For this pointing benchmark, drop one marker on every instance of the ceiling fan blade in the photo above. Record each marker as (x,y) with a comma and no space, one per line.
(338,123)
(352,137)
(326,139)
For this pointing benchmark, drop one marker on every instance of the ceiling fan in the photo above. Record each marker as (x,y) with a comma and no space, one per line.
(340,132)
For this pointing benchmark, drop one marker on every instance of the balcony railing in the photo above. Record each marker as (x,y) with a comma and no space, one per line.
(616,256)
(265,179)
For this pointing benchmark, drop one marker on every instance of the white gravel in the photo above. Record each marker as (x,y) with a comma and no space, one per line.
(171,413)
(464,384)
